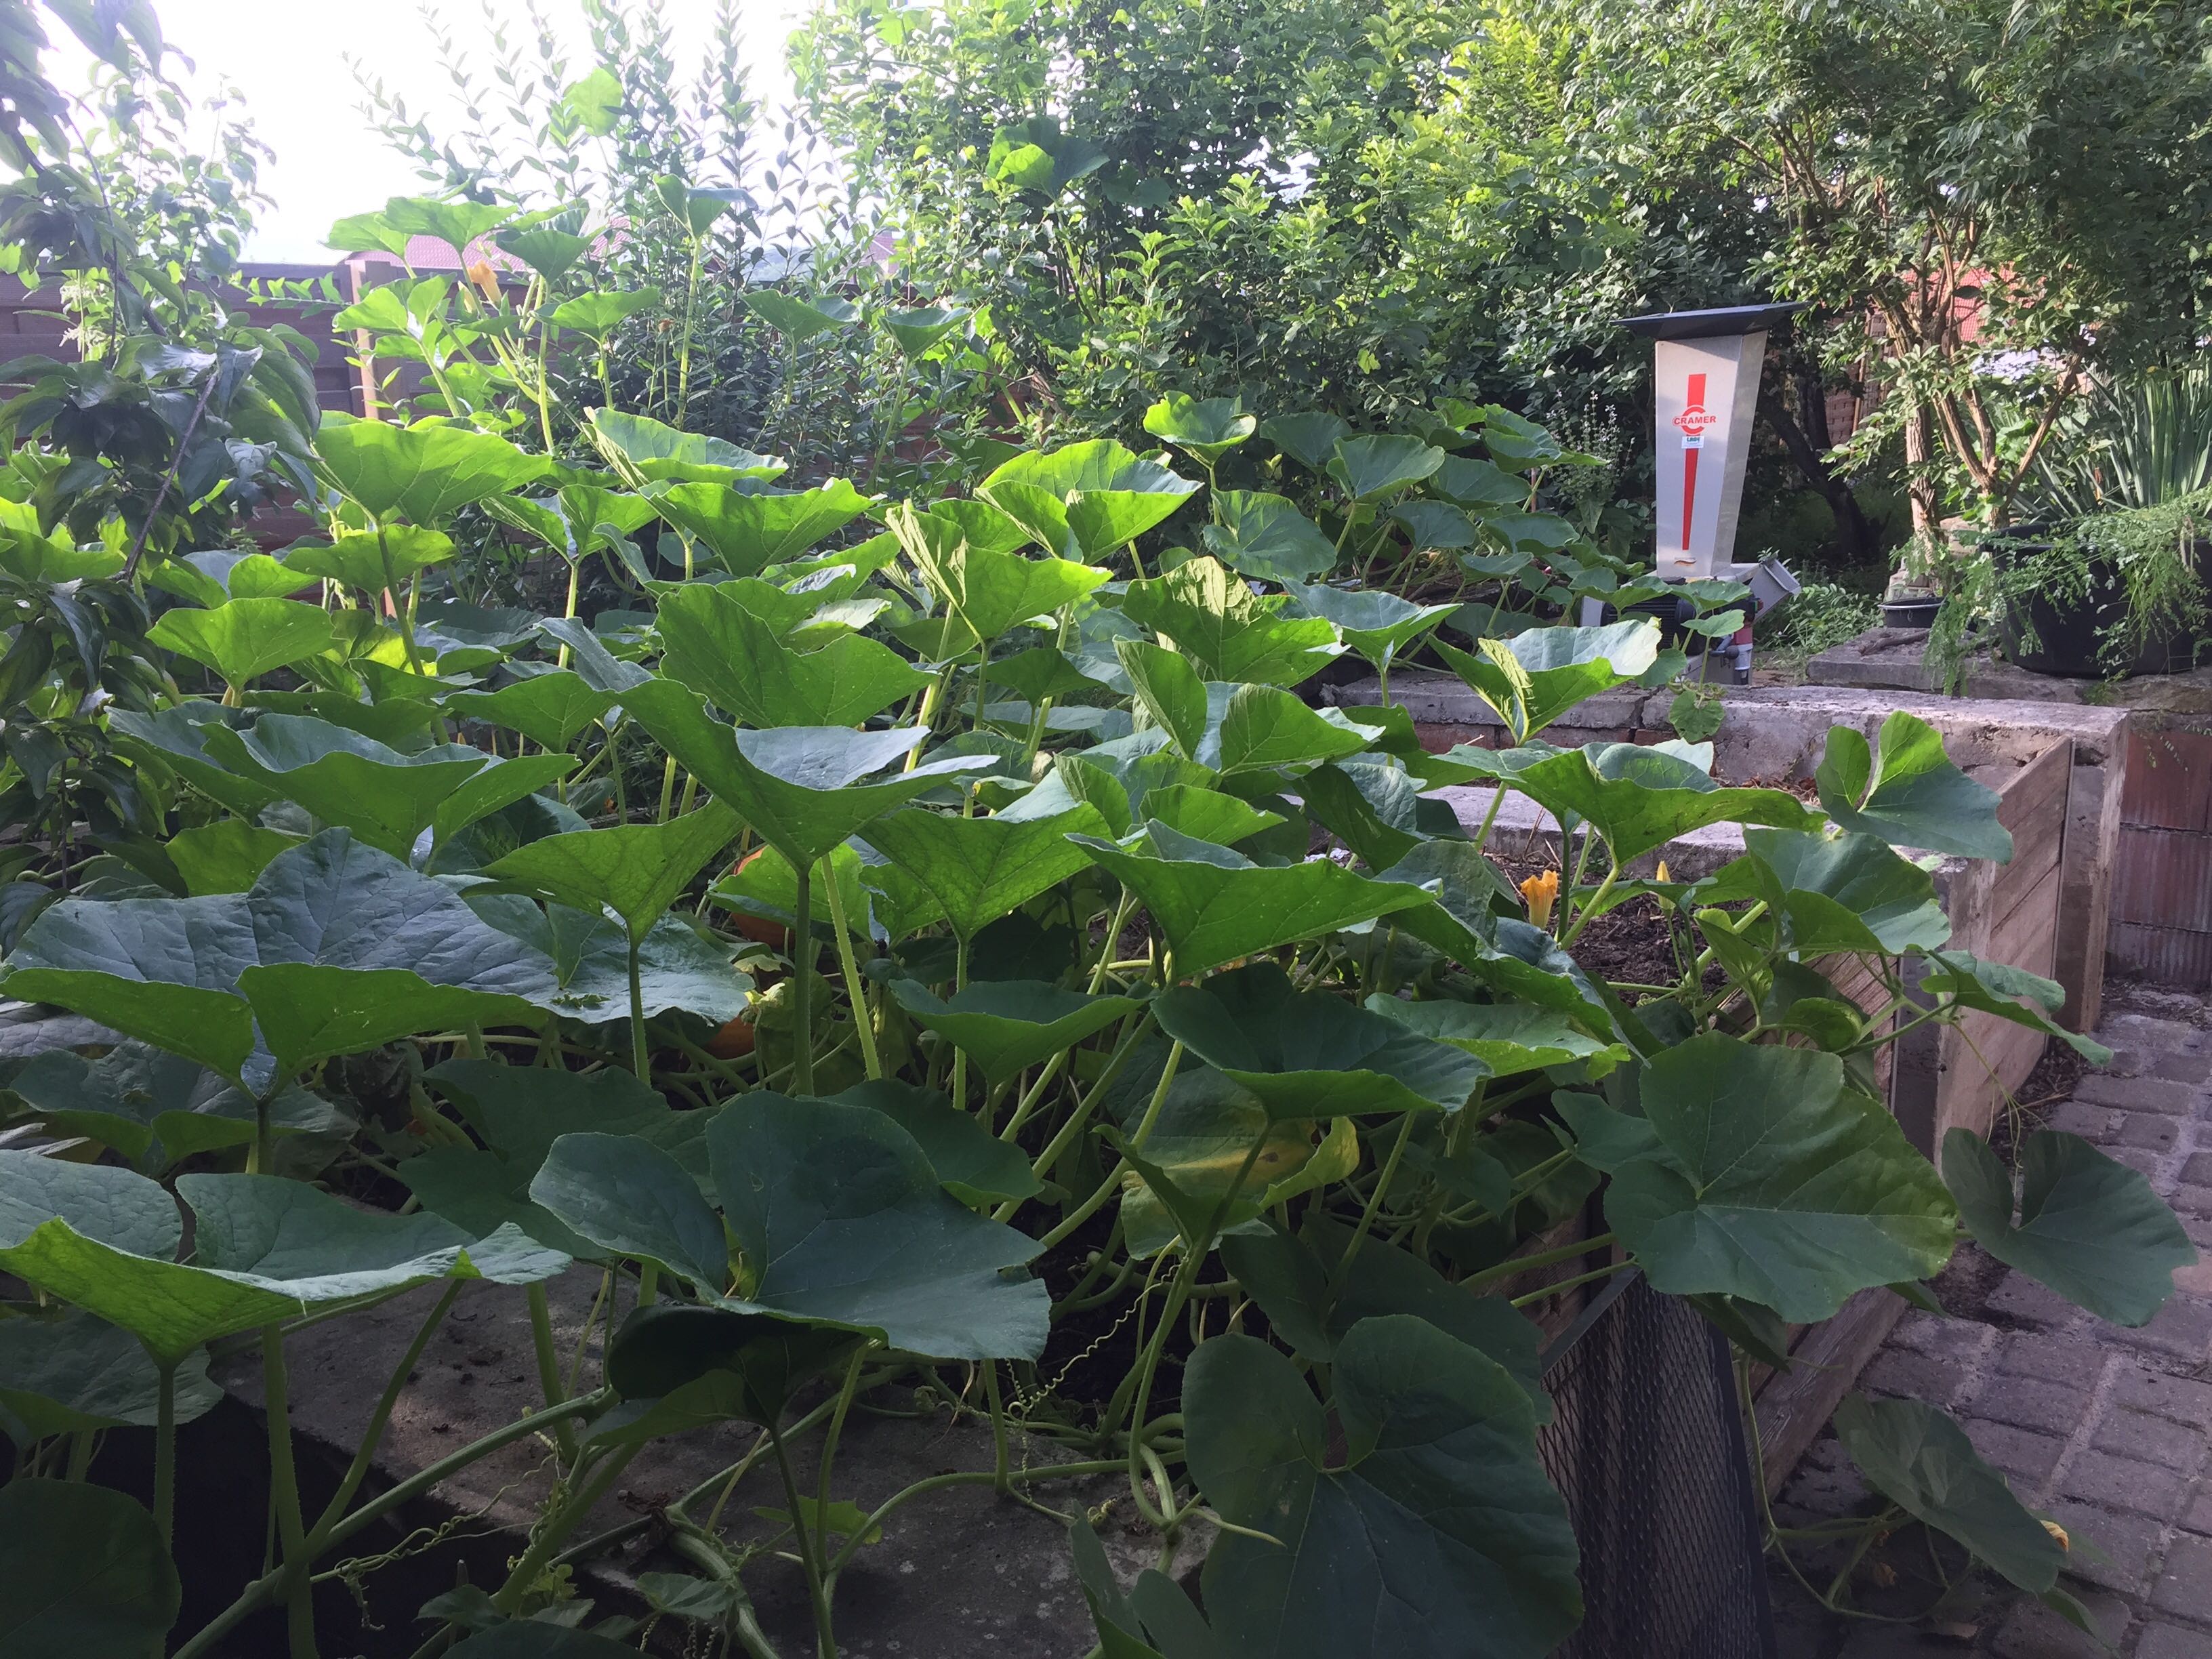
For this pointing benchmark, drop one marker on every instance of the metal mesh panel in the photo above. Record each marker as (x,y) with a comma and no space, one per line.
(1648,1450)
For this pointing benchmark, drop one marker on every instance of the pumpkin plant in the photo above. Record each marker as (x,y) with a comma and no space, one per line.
(1104,978)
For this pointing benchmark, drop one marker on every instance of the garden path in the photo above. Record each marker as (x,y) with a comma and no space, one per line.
(2107,1430)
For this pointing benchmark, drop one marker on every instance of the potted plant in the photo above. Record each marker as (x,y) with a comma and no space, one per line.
(1915,593)
(2119,586)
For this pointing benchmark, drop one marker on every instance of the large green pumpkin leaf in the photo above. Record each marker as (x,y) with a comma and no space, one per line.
(989,591)
(307,1012)
(176,737)
(423,473)
(369,562)
(1540,673)
(1311,1053)
(714,645)
(1169,689)
(246,638)
(1379,626)
(629,1198)
(74,1374)
(341,777)
(1207,427)
(971,1163)
(980,869)
(549,709)
(799,787)
(658,451)
(1840,893)
(1005,1026)
(1291,1280)
(113,1206)
(842,1220)
(748,532)
(156,1108)
(1378,465)
(1638,796)
(168,971)
(1789,1188)
(1265,727)
(1436,1536)
(82,1573)
(267,1250)
(635,870)
(1215,905)
(1112,495)
(1308,439)
(683,1362)
(1265,536)
(1231,633)
(1909,793)
(1509,1038)
(2090,1227)
(1921,1461)
(2010,994)
(587,956)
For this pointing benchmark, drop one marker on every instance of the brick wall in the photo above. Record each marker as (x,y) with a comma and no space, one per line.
(2162,876)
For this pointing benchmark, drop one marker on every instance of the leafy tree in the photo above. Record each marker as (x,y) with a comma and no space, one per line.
(1986,202)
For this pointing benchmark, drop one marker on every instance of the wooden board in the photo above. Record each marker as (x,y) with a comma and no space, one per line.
(1796,1405)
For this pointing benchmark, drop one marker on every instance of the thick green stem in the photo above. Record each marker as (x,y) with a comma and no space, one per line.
(1112,1184)
(959,1054)
(259,1594)
(284,1496)
(546,1542)
(1522,1264)
(548,1359)
(829,1438)
(802,986)
(1374,1202)
(373,1435)
(809,1562)
(850,966)
(641,1057)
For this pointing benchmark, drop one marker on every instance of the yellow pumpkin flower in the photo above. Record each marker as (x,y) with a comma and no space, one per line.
(486,279)
(2059,1532)
(1660,874)
(1540,892)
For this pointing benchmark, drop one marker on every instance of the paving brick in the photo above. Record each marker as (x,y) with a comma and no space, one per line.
(2033,1631)
(2021,1297)
(2184,1586)
(2196,1172)
(2177,1399)
(2139,1094)
(2129,1544)
(2164,1641)
(2078,1117)
(2189,1201)
(2079,1360)
(2182,1068)
(2152,1132)
(2176,1446)
(2126,1483)
(1942,1337)
(1914,1376)
(2051,1408)
(2198,1516)
(2142,1159)
(2025,1458)
(2182,1330)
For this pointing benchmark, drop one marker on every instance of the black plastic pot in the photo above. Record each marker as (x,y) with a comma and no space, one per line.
(2067,635)
(1910,613)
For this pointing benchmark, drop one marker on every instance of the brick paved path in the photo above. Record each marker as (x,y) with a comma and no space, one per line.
(2106,1429)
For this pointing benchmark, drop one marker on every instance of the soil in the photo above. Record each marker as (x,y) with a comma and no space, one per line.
(1636,943)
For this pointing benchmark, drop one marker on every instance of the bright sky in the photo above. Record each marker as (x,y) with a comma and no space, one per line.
(290,68)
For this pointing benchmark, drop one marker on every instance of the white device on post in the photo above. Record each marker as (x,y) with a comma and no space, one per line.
(1706,367)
